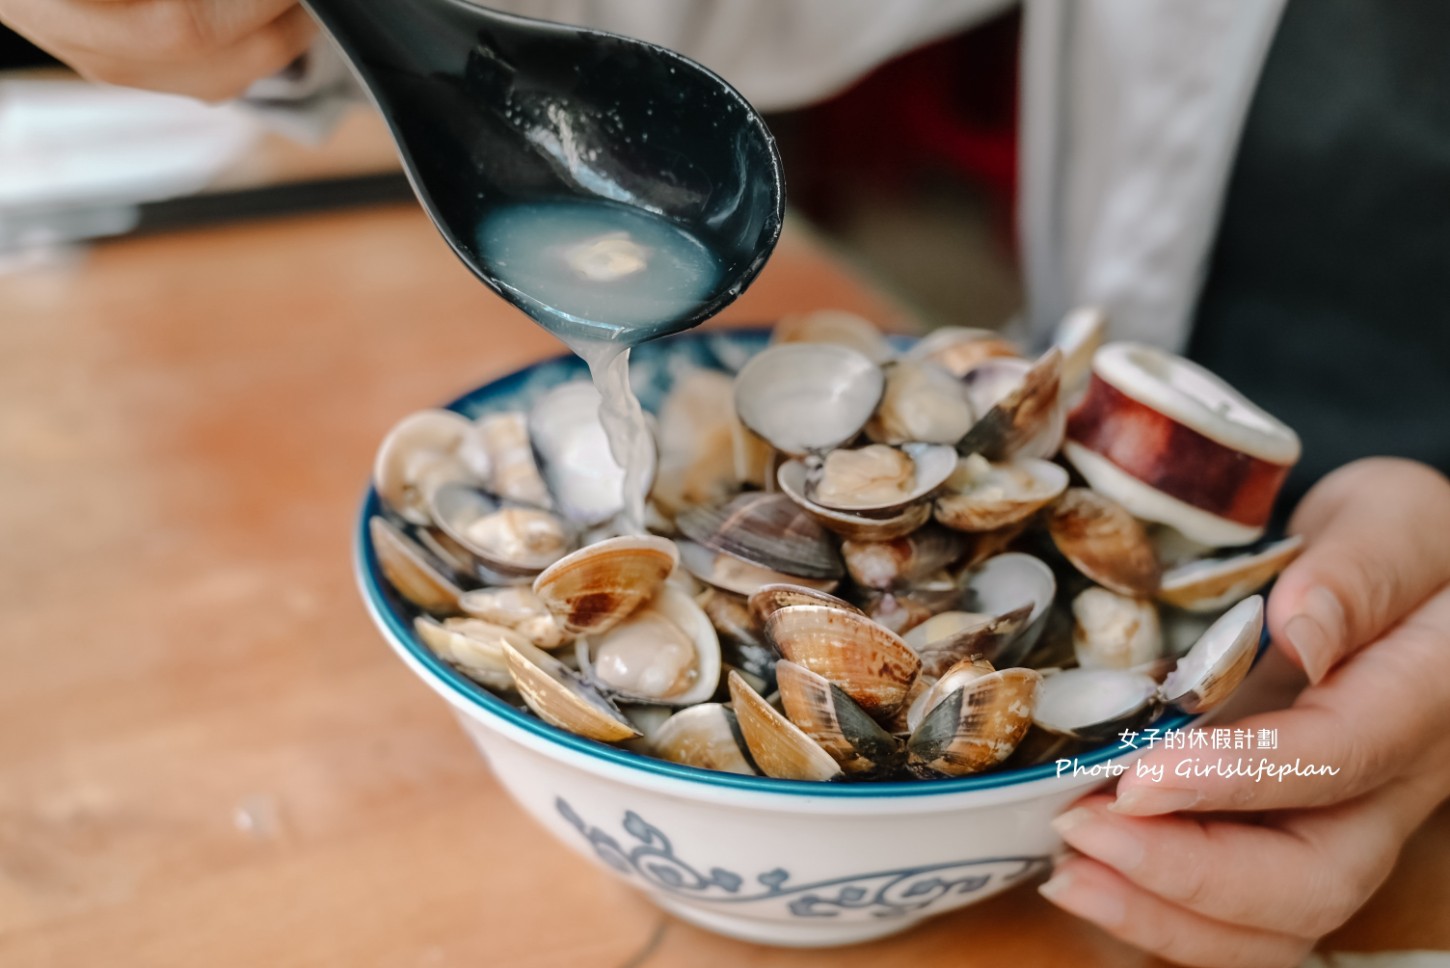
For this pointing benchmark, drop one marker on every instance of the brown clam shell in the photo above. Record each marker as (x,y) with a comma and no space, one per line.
(518,608)
(769,598)
(707,736)
(958,349)
(769,530)
(515,540)
(987,638)
(1218,662)
(924,467)
(561,698)
(411,571)
(778,747)
(736,575)
(897,725)
(741,632)
(1212,584)
(791,477)
(472,646)
(981,500)
(596,587)
(871,664)
(732,616)
(898,610)
(977,726)
(1021,415)
(1104,542)
(830,717)
(902,561)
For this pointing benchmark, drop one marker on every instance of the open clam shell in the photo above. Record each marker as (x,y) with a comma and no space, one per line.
(842,728)
(977,725)
(922,402)
(1078,336)
(1095,704)
(767,530)
(574,456)
(513,473)
(808,397)
(928,691)
(770,598)
(506,540)
(1104,542)
(473,646)
(1112,631)
(561,698)
(596,587)
(777,746)
(706,736)
(421,451)
(732,574)
(902,561)
(412,571)
(791,477)
(1005,583)
(751,456)
(871,664)
(959,349)
(1217,663)
(741,633)
(664,652)
(1212,584)
(836,326)
(1027,421)
(901,609)
(877,480)
(949,637)
(980,496)
(696,461)
(517,608)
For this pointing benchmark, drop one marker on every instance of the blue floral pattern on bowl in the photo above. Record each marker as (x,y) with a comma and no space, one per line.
(649,855)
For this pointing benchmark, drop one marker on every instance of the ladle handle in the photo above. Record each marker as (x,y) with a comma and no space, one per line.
(415,36)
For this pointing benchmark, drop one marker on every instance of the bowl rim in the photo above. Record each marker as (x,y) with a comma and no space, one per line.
(465,693)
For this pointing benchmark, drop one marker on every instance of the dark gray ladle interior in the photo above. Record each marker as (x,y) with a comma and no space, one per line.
(481,102)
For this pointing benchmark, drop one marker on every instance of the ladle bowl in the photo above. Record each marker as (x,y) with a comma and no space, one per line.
(492,111)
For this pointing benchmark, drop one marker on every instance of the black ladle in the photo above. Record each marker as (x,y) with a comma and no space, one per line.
(491,109)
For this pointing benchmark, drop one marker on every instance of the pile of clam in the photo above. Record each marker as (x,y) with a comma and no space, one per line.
(861,563)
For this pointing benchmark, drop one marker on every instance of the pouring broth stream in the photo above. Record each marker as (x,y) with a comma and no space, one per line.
(599,266)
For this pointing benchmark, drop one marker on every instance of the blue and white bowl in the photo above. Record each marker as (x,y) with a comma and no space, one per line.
(770,861)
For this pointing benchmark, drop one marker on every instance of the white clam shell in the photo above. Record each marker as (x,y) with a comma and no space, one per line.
(808,397)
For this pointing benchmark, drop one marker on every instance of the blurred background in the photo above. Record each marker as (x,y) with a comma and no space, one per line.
(923,208)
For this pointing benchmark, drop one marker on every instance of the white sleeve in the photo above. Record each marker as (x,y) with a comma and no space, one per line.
(779,53)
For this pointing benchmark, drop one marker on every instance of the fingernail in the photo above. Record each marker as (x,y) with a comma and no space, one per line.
(1148,801)
(1064,890)
(1103,840)
(1308,641)
(1324,607)
(1317,633)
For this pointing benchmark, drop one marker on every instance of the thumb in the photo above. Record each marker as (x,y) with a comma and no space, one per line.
(1375,549)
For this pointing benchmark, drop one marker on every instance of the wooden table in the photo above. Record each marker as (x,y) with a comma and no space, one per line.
(208,757)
